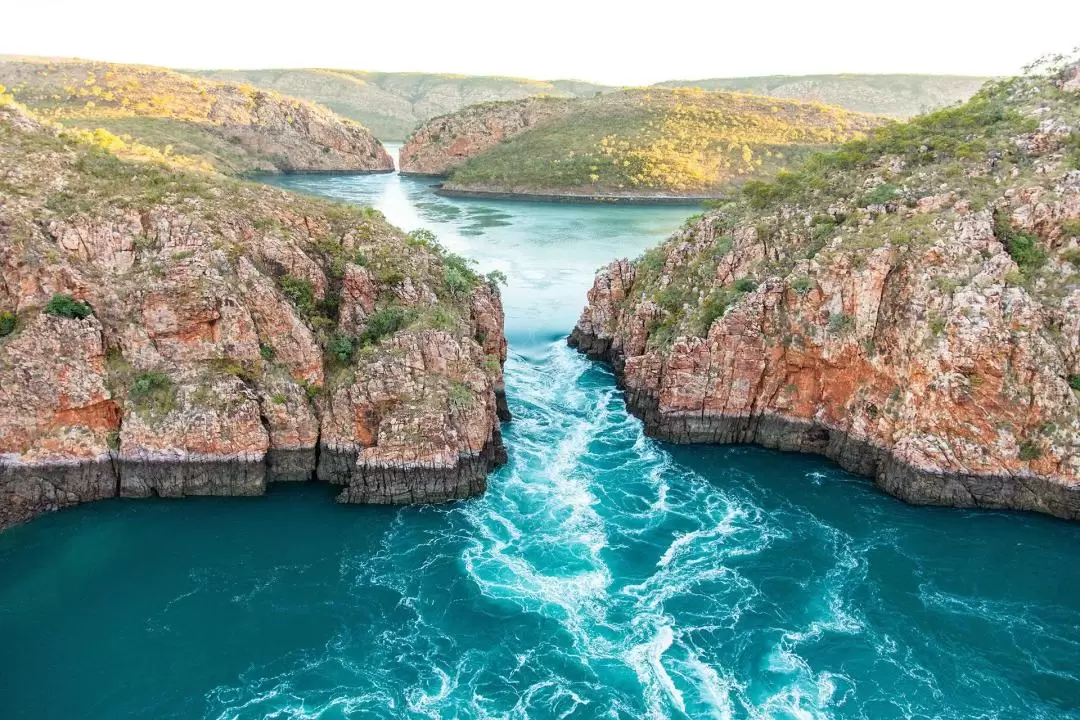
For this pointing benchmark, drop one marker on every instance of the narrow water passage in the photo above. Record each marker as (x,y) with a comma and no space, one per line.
(604,575)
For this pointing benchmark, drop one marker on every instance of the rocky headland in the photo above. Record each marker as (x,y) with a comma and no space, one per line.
(171,332)
(623,146)
(908,305)
(445,142)
(233,128)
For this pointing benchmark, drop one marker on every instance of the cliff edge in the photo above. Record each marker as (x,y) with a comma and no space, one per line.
(908,305)
(172,332)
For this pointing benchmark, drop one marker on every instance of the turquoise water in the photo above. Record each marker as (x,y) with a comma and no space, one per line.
(604,575)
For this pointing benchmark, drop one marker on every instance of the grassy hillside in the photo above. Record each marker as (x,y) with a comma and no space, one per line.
(232,128)
(900,96)
(392,104)
(657,141)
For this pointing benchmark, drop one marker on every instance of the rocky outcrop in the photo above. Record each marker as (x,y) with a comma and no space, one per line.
(293,135)
(175,334)
(232,127)
(442,143)
(909,312)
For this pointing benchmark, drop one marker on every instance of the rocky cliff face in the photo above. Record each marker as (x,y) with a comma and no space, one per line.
(230,127)
(908,306)
(295,136)
(445,142)
(171,333)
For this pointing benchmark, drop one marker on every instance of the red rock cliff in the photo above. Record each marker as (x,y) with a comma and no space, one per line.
(173,333)
(909,307)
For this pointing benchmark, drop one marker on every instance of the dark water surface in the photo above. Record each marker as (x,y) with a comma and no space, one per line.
(603,575)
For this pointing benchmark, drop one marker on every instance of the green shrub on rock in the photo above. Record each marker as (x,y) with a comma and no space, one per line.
(1024,248)
(7,322)
(153,391)
(343,347)
(1029,451)
(386,321)
(301,293)
(840,324)
(63,305)
(1071,228)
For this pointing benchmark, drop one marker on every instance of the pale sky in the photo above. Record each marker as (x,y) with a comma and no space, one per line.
(623,43)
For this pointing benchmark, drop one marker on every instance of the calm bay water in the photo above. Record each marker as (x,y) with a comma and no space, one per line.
(603,575)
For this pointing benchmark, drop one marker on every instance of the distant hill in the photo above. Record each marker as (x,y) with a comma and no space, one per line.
(900,96)
(233,128)
(393,104)
(645,142)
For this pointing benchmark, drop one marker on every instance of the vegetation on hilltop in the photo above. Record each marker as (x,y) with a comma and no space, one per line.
(393,104)
(658,141)
(900,96)
(232,128)
(872,193)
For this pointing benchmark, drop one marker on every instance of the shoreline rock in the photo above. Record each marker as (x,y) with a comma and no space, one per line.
(907,306)
(892,475)
(28,490)
(575,198)
(219,336)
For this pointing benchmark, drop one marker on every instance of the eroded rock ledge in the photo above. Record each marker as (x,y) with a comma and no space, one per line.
(912,314)
(926,485)
(168,333)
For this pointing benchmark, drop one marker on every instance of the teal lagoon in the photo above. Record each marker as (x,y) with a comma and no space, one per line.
(604,575)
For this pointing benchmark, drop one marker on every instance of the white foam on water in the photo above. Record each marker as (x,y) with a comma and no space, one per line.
(646,660)
(715,690)
(655,588)
(428,704)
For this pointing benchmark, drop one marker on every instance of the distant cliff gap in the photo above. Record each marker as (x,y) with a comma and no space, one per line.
(394,104)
